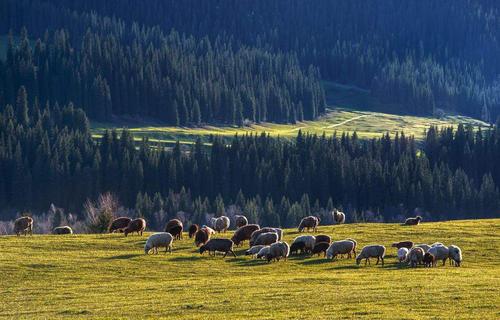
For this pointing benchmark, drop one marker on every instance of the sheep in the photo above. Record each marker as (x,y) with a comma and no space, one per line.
(323,238)
(240,221)
(429,260)
(201,237)
(277,251)
(424,247)
(267,238)
(402,254)
(136,225)
(158,240)
(119,224)
(309,242)
(355,245)
(221,224)
(221,245)
(174,227)
(371,251)
(209,230)
(256,234)
(23,225)
(263,252)
(244,233)
(308,223)
(403,244)
(413,221)
(440,253)
(297,246)
(338,217)
(254,250)
(192,230)
(455,255)
(320,247)
(63,230)
(340,247)
(436,244)
(415,256)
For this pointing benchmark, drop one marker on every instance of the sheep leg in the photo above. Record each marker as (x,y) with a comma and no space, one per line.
(444,261)
(382,261)
(378,260)
(225,254)
(232,253)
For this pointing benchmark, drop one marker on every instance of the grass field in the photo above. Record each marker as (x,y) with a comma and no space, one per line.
(108,276)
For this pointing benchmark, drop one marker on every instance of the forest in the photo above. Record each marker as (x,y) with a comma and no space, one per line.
(191,62)
(47,156)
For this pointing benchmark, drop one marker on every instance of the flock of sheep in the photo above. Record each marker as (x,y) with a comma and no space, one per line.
(266,243)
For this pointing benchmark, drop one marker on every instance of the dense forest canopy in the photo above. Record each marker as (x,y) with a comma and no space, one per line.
(47,155)
(417,56)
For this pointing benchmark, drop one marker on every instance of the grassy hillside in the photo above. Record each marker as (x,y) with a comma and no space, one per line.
(99,276)
(348,113)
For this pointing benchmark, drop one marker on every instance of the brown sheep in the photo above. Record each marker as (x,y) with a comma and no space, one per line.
(201,237)
(23,225)
(403,244)
(308,223)
(297,247)
(413,221)
(240,221)
(193,229)
(257,233)
(220,245)
(136,225)
(320,247)
(63,230)
(323,238)
(244,233)
(429,260)
(119,224)
(174,227)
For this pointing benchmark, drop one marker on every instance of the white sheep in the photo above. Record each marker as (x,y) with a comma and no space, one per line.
(402,254)
(254,250)
(440,253)
(157,240)
(341,247)
(338,217)
(371,251)
(435,244)
(221,224)
(423,246)
(267,238)
(263,252)
(278,250)
(309,242)
(455,255)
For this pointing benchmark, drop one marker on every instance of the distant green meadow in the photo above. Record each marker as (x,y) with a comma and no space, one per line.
(108,276)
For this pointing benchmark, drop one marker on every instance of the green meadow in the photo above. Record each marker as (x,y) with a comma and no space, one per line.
(108,276)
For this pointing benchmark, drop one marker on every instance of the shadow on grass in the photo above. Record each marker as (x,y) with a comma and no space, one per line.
(246,262)
(316,261)
(124,256)
(187,258)
(41,266)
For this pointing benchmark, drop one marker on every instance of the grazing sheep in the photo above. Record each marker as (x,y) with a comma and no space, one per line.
(256,234)
(319,248)
(244,233)
(372,251)
(429,260)
(338,217)
(340,248)
(323,238)
(355,245)
(403,244)
(192,230)
(424,247)
(413,221)
(220,245)
(174,227)
(277,251)
(436,244)
(308,223)
(254,250)
(308,241)
(266,239)
(263,252)
(297,246)
(402,254)
(159,240)
(136,225)
(119,224)
(221,224)
(415,256)
(201,237)
(63,230)
(209,230)
(455,255)
(240,221)
(23,225)
(440,253)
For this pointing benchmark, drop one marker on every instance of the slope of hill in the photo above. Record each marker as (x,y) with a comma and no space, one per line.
(104,276)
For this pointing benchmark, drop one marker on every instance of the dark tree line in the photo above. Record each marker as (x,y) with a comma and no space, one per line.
(47,155)
(417,55)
